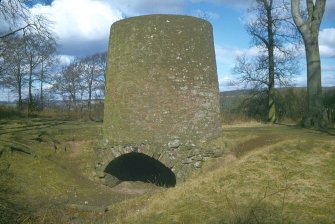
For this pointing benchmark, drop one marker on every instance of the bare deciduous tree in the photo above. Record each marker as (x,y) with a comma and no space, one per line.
(48,49)
(274,35)
(13,11)
(94,67)
(67,83)
(18,24)
(16,18)
(38,48)
(33,59)
(309,27)
(14,61)
(79,80)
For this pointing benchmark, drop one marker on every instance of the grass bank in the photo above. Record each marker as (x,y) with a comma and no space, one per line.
(267,174)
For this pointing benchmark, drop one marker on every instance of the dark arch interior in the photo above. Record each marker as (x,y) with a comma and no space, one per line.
(136,166)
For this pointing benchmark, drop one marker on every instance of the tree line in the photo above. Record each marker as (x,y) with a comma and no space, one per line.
(276,29)
(83,80)
(29,62)
(291,104)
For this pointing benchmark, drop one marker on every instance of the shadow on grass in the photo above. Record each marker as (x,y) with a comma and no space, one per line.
(12,213)
(47,124)
(257,213)
(330,130)
(9,211)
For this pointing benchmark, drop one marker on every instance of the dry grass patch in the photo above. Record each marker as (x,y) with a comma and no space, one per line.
(291,181)
(268,174)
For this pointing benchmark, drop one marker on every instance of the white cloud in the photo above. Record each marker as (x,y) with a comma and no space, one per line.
(228,82)
(300,81)
(82,26)
(328,72)
(65,59)
(140,7)
(328,80)
(225,58)
(239,4)
(248,52)
(78,21)
(228,55)
(327,51)
(327,42)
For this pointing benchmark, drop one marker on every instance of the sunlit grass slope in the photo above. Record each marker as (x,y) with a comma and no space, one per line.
(284,175)
(267,174)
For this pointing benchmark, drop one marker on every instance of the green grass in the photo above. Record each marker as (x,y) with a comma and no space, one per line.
(267,174)
(291,181)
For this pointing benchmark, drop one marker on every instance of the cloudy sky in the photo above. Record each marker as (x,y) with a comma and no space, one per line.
(82,28)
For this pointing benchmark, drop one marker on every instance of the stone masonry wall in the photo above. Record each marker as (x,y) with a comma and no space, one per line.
(161,84)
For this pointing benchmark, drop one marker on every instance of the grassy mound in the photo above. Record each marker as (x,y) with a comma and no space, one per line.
(267,174)
(285,177)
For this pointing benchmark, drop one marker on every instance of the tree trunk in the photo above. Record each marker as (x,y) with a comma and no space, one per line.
(89,104)
(309,29)
(30,83)
(19,86)
(314,116)
(41,86)
(271,85)
(20,97)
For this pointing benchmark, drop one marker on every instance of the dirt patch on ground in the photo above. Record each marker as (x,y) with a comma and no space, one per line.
(79,160)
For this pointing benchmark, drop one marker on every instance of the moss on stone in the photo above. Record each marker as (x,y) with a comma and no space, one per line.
(161,81)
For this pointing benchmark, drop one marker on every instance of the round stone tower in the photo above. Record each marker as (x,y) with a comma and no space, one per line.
(161,82)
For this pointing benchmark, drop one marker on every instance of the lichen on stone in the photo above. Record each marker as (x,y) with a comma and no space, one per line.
(161,84)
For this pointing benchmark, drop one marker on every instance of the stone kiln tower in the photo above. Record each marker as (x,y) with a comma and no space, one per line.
(161,81)
(161,85)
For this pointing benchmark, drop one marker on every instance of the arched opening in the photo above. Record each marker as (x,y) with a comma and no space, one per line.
(136,166)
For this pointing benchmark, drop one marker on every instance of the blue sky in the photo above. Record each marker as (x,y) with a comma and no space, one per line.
(82,28)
